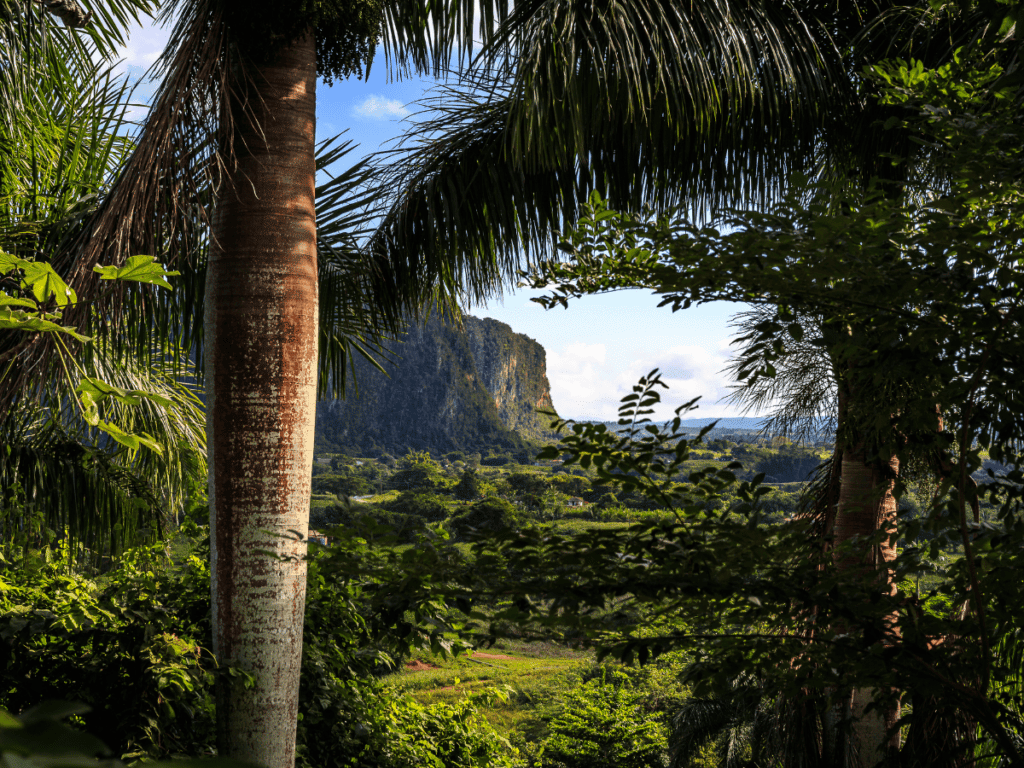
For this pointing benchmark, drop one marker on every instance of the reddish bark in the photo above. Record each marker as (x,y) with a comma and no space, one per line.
(261,352)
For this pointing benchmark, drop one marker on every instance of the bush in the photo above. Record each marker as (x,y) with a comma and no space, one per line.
(427,506)
(134,651)
(603,724)
(488,515)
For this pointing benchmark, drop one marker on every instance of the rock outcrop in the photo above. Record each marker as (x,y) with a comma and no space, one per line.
(471,389)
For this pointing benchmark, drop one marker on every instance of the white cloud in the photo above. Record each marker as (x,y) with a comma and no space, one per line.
(145,44)
(689,372)
(588,383)
(379,108)
(579,382)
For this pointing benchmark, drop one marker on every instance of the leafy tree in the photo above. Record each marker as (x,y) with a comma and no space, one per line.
(527,482)
(485,516)
(426,506)
(415,470)
(929,361)
(468,486)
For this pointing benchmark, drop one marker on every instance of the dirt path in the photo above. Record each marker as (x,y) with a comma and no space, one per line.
(418,666)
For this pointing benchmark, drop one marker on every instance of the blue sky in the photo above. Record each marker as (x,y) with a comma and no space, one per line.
(601,345)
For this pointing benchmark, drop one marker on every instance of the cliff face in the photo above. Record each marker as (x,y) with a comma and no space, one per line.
(513,369)
(449,389)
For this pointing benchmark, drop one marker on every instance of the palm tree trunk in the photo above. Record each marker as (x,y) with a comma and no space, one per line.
(261,352)
(866,506)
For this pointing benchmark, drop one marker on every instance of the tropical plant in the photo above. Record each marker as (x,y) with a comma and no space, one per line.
(71,459)
(233,121)
(604,723)
(882,246)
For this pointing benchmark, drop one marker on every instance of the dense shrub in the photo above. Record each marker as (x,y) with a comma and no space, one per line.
(604,723)
(427,506)
(487,515)
(135,650)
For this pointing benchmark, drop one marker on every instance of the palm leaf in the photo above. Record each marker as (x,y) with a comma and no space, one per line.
(65,479)
(647,102)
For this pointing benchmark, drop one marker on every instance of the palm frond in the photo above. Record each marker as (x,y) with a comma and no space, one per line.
(354,318)
(63,478)
(648,102)
(109,20)
(431,37)
(801,398)
(723,722)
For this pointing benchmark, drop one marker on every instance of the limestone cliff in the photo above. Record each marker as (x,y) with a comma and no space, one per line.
(513,369)
(471,388)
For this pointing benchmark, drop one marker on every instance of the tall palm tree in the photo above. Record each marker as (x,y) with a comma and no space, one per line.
(232,127)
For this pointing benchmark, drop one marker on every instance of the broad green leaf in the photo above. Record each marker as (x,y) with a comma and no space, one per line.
(90,410)
(130,441)
(14,301)
(22,321)
(9,262)
(100,390)
(46,284)
(140,269)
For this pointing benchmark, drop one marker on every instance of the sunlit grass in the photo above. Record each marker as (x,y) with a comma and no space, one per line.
(533,673)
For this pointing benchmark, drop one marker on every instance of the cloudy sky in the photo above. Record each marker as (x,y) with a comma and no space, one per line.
(601,345)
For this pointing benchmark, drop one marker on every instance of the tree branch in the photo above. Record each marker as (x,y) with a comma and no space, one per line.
(68,11)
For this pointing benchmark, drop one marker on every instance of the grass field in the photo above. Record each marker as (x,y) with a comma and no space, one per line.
(533,672)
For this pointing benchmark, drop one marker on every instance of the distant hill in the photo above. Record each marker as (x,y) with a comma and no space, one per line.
(751,423)
(473,388)
(736,424)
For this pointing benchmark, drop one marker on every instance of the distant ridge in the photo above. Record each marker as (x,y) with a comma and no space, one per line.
(736,423)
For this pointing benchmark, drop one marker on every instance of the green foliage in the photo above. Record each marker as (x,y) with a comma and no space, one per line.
(488,515)
(346,31)
(134,650)
(788,466)
(604,723)
(341,485)
(468,486)
(921,304)
(740,597)
(415,470)
(427,506)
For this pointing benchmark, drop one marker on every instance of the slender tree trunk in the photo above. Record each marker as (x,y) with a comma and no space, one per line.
(261,353)
(866,506)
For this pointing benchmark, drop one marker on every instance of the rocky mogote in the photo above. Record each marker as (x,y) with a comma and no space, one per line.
(469,388)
